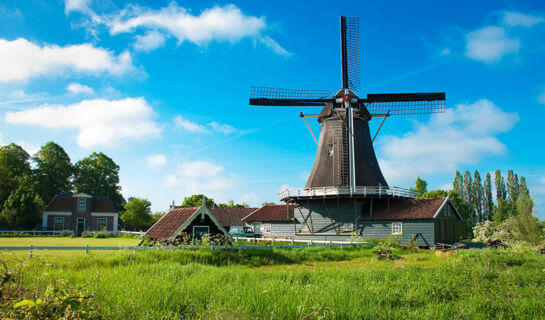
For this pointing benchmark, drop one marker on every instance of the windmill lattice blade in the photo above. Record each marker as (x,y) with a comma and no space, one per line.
(399,108)
(266,96)
(350,53)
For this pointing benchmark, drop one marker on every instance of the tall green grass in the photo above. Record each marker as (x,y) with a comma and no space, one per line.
(316,283)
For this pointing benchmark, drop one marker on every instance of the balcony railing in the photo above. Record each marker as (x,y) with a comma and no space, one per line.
(364,191)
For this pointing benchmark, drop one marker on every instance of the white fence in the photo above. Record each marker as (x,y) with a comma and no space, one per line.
(292,241)
(62,232)
(347,191)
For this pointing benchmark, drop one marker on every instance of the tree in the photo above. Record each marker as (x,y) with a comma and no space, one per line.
(53,171)
(468,197)
(196,201)
(478,196)
(511,189)
(434,194)
(232,204)
(460,205)
(421,187)
(14,164)
(488,202)
(98,174)
(265,203)
(501,211)
(23,207)
(137,214)
(458,184)
(500,186)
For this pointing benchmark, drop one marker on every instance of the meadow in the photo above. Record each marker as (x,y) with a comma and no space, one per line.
(303,283)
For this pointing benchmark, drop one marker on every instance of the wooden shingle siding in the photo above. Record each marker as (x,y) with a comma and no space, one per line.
(383,229)
(282,229)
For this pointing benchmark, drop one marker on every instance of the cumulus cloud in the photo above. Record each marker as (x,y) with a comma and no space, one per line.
(76,6)
(490,44)
(202,177)
(99,122)
(517,19)
(463,135)
(219,23)
(156,161)
(149,41)
(211,127)
(77,88)
(21,59)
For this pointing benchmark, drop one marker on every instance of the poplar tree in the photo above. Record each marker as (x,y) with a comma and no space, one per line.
(511,190)
(468,196)
(488,203)
(477,189)
(500,186)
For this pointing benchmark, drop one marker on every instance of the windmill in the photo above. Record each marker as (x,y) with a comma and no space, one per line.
(345,160)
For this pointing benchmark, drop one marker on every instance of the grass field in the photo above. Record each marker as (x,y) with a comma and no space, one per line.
(316,283)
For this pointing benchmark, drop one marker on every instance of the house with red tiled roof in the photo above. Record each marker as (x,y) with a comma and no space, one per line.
(193,221)
(230,216)
(80,212)
(273,221)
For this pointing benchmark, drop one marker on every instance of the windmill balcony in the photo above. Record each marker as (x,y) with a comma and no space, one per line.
(359,192)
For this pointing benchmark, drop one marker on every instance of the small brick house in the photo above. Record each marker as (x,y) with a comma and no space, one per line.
(80,212)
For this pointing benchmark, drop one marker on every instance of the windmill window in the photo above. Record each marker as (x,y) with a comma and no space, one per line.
(330,150)
(266,228)
(348,227)
(102,224)
(397,228)
(59,224)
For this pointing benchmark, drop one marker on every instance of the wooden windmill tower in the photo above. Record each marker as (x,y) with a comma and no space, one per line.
(346,176)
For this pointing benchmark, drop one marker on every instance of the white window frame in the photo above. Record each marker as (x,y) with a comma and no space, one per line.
(98,224)
(266,228)
(84,201)
(397,230)
(348,227)
(55,223)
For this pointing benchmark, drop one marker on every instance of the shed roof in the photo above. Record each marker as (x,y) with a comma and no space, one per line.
(408,209)
(228,217)
(271,213)
(171,222)
(65,203)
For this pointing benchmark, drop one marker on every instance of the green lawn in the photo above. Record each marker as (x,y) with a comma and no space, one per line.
(316,283)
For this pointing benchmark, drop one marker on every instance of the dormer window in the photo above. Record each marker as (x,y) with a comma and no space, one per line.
(82,205)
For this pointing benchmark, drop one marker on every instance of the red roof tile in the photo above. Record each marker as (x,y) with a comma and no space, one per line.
(60,204)
(405,209)
(67,203)
(170,222)
(228,217)
(276,212)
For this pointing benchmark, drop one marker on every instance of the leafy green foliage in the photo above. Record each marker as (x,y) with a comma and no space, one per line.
(196,201)
(265,203)
(232,204)
(137,214)
(501,211)
(420,187)
(53,171)
(99,174)
(434,194)
(23,207)
(14,164)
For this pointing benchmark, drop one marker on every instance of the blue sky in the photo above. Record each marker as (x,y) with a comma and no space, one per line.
(162,88)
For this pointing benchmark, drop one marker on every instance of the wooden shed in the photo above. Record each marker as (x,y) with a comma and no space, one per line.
(273,220)
(193,221)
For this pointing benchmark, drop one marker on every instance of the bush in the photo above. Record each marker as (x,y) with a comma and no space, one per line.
(101,235)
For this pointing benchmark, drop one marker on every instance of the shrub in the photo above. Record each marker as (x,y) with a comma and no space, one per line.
(101,235)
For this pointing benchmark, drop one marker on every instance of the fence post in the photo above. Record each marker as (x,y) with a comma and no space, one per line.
(134,249)
(212,246)
(86,249)
(292,241)
(30,252)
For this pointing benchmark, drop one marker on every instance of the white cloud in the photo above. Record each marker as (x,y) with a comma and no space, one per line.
(149,41)
(490,44)
(463,135)
(156,161)
(222,127)
(219,23)
(202,177)
(30,148)
(516,19)
(211,127)
(21,59)
(251,199)
(1,140)
(99,122)
(541,98)
(188,125)
(76,6)
(77,88)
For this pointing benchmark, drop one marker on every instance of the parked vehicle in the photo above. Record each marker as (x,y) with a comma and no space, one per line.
(244,232)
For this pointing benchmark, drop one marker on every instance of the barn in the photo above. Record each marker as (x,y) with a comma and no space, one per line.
(230,216)
(192,221)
